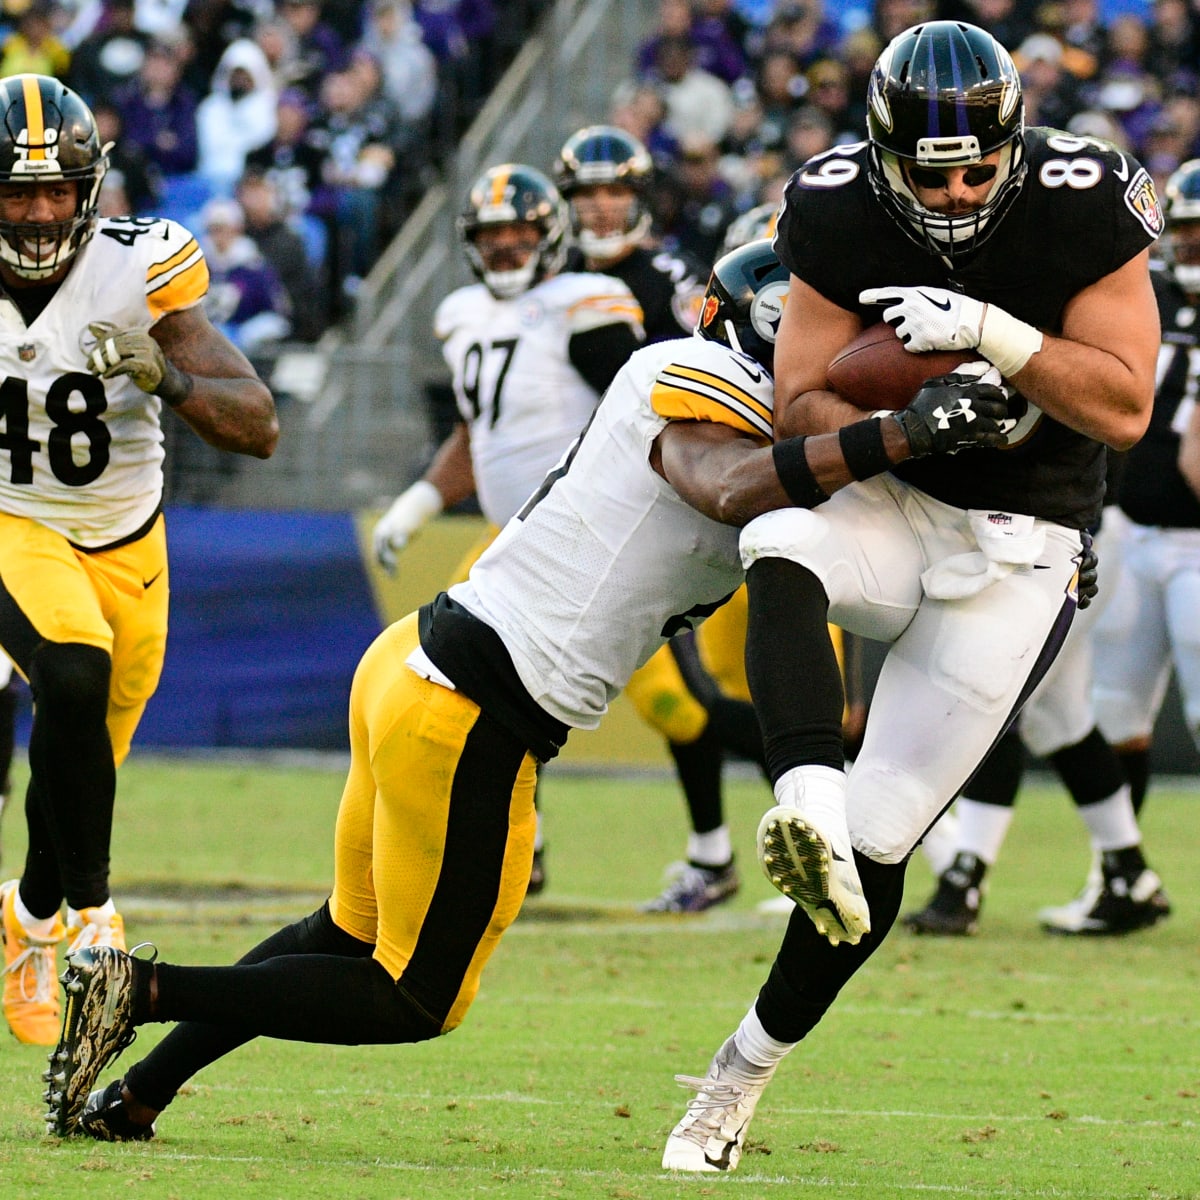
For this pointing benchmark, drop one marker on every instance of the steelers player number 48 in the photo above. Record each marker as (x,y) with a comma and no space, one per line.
(73,429)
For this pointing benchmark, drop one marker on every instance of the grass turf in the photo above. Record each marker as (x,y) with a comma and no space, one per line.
(1007,1065)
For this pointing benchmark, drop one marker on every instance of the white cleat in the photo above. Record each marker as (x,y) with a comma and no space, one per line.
(819,874)
(712,1132)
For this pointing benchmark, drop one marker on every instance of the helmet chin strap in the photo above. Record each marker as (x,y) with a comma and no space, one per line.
(613,244)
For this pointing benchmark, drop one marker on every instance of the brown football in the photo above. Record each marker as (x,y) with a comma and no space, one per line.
(875,371)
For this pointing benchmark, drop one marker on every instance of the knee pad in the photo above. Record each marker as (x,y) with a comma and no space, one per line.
(71,678)
(976,662)
(887,810)
(784,533)
(662,699)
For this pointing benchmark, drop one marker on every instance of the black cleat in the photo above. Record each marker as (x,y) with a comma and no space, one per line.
(953,910)
(97,1026)
(106,1117)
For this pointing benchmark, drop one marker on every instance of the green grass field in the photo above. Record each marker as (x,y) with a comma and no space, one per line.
(1008,1065)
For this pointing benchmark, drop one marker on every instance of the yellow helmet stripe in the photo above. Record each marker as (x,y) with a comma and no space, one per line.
(35,128)
(499,183)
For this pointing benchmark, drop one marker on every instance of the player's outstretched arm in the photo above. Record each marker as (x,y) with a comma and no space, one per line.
(196,370)
(733,477)
(448,481)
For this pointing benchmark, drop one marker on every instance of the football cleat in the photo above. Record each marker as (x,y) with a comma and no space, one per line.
(106,1117)
(953,910)
(97,1025)
(31,1003)
(691,888)
(95,930)
(815,869)
(1121,904)
(712,1133)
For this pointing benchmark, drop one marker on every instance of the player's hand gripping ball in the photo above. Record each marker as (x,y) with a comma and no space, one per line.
(875,370)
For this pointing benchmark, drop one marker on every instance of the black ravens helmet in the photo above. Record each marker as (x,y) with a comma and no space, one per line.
(1181,206)
(47,133)
(514,194)
(604,154)
(745,300)
(945,94)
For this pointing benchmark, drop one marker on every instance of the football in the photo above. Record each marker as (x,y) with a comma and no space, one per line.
(875,371)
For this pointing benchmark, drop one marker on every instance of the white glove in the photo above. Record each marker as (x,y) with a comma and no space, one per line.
(930,318)
(409,511)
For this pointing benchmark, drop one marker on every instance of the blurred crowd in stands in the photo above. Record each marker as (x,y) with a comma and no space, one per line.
(295,136)
(732,95)
(292,136)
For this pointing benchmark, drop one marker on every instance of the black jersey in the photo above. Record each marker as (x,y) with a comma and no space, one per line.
(669,287)
(1153,491)
(1083,210)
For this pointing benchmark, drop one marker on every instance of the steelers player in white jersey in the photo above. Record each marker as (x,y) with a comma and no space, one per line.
(630,539)
(100,327)
(531,349)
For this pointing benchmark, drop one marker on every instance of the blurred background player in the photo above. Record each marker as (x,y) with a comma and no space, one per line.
(103,325)
(531,348)
(1152,621)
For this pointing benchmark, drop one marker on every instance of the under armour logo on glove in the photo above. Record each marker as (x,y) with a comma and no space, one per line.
(962,408)
(953,412)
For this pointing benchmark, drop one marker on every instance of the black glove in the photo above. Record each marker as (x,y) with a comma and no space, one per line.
(953,412)
(1089,573)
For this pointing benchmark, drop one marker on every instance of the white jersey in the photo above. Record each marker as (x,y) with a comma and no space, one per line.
(83,455)
(516,388)
(607,561)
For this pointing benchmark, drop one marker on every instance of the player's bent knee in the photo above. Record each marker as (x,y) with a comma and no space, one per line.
(71,679)
(784,533)
(887,810)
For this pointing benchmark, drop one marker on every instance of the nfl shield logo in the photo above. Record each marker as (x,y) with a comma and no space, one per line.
(27,353)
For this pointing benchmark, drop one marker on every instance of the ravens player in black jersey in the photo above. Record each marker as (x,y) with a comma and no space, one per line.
(604,174)
(966,231)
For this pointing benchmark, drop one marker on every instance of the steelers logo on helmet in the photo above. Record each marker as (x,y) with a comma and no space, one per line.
(47,133)
(744,302)
(945,94)
(766,310)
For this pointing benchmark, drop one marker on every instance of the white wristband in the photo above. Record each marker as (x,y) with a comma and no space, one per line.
(1007,343)
(413,507)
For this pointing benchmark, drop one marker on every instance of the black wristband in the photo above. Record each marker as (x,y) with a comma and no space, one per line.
(863,449)
(176,386)
(791,465)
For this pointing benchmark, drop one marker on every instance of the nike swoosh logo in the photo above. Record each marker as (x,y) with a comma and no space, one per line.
(1122,172)
(944,305)
(755,375)
(147,582)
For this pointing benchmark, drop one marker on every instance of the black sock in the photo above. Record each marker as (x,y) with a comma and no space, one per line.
(794,677)
(698,765)
(1136,766)
(808,972)
(191,1046)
